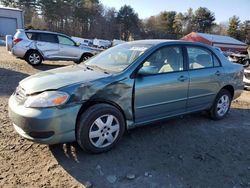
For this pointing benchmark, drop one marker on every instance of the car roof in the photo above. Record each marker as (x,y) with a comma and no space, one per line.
(42,31)
(155,42)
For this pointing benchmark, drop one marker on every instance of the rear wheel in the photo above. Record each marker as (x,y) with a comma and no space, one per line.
(34,58)
(99,128)
(221,105)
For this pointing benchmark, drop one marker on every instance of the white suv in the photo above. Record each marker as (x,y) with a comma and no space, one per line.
(34,46)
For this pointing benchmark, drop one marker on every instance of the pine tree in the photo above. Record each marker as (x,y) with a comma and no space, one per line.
(203,20)
(128,20)
(233,29)
(178,25)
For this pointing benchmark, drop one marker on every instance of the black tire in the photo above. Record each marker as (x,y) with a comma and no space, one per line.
(77,62)
(98,139)
(221,105)
(83,58)
(34,58)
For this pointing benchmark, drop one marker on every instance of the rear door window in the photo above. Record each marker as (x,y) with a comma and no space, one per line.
(200,58)
(45,37)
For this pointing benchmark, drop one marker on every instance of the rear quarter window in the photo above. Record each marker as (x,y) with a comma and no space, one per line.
(31,36)
(216,61)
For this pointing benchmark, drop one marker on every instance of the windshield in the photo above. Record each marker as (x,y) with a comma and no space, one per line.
(118,58)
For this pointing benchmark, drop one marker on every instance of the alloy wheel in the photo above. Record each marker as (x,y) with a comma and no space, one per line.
(223,105)
(34,58)
(104,131)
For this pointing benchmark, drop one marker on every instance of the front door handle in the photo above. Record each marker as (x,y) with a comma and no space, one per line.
(217,73)
(182,78)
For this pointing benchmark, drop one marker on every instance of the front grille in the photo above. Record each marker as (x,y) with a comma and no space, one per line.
(20,95)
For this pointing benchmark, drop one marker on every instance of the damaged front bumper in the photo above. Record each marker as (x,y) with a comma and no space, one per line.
(44,125)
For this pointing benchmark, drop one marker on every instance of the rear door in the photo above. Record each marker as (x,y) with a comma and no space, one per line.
(68,48)
(47,44)
(163,93)
(205,73)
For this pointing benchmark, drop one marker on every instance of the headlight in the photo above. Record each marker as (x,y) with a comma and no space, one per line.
(47,99)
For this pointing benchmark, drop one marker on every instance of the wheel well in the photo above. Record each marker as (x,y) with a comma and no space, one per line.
(86,105)
(32,50)
(87,54)
(230,89)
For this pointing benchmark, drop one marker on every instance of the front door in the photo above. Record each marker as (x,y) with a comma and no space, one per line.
(68,48)
(161,86)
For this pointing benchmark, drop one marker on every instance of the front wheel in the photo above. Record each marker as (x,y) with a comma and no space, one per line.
(221,105)
(99,128)
(83,58)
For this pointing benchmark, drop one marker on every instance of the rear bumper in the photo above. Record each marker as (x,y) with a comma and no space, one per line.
(18,51)
(44,125)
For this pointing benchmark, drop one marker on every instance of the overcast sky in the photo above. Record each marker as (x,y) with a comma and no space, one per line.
(223,9)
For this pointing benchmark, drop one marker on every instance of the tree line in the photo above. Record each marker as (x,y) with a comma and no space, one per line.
(91,19)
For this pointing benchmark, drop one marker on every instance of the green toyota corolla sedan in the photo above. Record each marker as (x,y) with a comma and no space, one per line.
(129,85)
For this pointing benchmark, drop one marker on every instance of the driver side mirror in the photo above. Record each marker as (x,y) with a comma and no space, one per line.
(148,70)
(78,44)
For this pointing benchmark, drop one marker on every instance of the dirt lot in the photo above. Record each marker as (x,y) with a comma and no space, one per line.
(190,151)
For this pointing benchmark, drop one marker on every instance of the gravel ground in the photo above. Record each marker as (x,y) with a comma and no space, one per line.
(189,151)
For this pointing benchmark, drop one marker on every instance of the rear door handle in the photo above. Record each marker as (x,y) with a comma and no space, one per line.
(182,78)
(217,73)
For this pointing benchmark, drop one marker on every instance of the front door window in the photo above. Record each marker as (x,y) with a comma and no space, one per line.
(166,59)
(65,41)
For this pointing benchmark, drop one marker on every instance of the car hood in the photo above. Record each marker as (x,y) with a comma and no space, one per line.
(60,77)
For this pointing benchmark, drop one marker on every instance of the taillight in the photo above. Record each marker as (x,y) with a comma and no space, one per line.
(17,40)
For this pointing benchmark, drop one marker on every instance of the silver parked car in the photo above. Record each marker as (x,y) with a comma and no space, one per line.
(34,46)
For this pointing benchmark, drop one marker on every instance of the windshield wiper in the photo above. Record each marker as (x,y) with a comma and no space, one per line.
(89,68)
(92,67)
